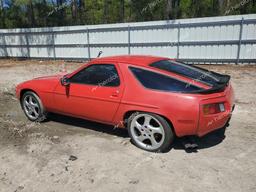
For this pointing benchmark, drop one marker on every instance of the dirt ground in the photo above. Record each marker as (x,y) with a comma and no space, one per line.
(68,154)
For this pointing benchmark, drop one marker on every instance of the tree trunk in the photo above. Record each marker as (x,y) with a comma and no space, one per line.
(168,9)
(105,12)
(74,11)
(60,12)
(45,19)
(31,14)
(2,13)
(122,10)
(81,11)
(228,3)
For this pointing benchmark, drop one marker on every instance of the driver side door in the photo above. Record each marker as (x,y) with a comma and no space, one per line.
(94,93)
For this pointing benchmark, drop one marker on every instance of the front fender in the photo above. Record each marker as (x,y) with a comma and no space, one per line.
(44,88)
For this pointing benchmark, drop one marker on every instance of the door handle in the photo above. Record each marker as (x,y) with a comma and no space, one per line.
(115,93)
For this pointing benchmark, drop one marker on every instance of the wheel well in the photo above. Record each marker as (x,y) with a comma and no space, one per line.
(23,91)
(126,117)
(129,113)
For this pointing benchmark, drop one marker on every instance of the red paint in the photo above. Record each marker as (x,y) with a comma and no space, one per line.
(109,104)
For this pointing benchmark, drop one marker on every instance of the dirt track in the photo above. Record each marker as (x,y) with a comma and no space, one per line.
(36,157)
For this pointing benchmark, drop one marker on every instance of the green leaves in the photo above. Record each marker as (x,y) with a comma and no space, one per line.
(42,13)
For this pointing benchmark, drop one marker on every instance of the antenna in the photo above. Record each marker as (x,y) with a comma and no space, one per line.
(100,52)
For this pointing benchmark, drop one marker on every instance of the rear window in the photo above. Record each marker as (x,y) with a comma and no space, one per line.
(161,82)
(195,73)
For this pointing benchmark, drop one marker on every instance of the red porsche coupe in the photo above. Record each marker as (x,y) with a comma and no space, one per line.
(155,98)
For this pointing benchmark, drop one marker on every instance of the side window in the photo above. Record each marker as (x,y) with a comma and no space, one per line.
(98,74)
(189,71)
(158,81)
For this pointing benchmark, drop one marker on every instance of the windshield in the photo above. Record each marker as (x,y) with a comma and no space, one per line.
(195,73)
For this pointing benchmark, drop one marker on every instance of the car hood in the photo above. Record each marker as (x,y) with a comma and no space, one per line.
(51,77)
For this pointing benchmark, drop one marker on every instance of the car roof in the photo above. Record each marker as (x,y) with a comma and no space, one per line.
(142,60)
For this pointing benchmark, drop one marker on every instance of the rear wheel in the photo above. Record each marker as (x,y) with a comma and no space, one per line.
(150,132)
(33,107)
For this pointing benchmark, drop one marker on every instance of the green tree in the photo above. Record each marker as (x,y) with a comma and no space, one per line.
(42,13)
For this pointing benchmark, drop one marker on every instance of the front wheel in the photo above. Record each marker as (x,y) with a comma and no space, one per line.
(150,132)
(33,107)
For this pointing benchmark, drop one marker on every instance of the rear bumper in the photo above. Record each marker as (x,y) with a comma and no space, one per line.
(215,123)
(209,123)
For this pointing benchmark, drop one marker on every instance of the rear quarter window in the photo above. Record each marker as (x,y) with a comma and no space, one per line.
(195,73)
(153,80)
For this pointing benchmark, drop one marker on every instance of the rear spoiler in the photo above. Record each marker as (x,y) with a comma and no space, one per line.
(223,83)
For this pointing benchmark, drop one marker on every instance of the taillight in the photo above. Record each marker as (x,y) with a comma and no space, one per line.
(213,108)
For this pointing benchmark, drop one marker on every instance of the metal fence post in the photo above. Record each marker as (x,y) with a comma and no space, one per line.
(2,45)
(178,42)
(27,45)
(129,40)
(88,44)
(240,40)
(53,45)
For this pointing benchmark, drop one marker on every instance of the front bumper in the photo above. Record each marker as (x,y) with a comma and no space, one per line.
(17,92)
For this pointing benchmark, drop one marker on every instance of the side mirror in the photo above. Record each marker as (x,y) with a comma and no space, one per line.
(65,81)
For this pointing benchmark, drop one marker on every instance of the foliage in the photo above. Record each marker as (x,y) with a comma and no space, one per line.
(43,13)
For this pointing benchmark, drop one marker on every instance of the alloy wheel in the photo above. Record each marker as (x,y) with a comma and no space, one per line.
(31,107)
(147,131)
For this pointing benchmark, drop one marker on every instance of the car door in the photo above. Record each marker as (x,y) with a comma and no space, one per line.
(94,93)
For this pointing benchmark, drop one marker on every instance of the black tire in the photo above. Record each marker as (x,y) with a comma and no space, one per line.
(168,133)
(221,132)
(40,109)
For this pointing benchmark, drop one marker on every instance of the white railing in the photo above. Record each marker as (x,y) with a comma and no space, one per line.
(228,39)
